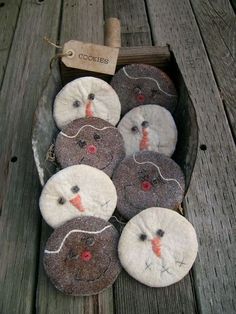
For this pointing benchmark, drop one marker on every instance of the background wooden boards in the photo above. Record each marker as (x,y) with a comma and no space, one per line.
(25,75)
(211,196)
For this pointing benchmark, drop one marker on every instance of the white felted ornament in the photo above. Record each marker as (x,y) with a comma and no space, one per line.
(78,190)
(86,97)
(149,127)
(158,247)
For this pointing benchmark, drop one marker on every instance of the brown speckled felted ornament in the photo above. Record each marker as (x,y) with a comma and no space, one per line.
(93,142)
(140,84)
(81,258)
(148,179)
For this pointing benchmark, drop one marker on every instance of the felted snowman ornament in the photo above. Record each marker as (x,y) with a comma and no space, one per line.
(148,127)
(158,247)
(86,97)
(75,191)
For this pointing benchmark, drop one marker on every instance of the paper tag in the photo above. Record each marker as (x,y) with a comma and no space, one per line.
(90,57)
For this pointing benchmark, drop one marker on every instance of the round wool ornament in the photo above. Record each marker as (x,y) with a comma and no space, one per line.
(149,127)
(141,84)
(158,247)
(94,142)
(86,97)
(148,179)
(81,257)
(78,190)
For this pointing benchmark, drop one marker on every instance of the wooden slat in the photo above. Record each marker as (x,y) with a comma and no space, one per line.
(217,23)
(25,75)
(135,30)
(131,296)
(81,20)
(210,201)
(157,56)
(9,11)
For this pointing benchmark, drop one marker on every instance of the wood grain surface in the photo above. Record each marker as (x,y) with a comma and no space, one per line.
(210,202)
(19,220)
(217,24)
(9,11)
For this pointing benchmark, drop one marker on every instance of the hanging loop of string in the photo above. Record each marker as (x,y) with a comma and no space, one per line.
(58,55)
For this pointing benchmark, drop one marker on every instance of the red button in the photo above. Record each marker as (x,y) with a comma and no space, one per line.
(140,98)
(86,256)
(91,149)
(146,186)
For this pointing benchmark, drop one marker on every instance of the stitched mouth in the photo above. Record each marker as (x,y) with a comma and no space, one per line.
(78,277)
(108,164)
(91,161)
(127,199)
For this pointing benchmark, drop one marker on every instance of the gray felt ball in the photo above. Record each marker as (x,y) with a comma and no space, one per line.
(148,179)
(141,84)
(81,256)
(94,142)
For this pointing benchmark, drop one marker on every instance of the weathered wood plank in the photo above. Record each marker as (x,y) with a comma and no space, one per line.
(19,222)
(135,29)
(81,20)
(210,201)
(9,11)
(217,23)
(131,296)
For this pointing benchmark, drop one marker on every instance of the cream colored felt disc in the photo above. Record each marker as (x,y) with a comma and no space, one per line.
(149,127)
(78,190)
(158,247)
(86,97)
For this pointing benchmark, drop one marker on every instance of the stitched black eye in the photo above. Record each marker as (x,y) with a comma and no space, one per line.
(143,237)
(90,241)
(154,181)
(160,232)
(96,137)
(72,255)
(137,90)
(76,103)
(134,129)
(143,176)
(61,200)
(145,124)
(82,143)
(75,189)
(91,96)
(154,91)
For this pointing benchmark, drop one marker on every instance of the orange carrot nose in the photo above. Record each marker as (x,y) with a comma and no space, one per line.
(89,109)
(156,246)
(144,143)
(76,201)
